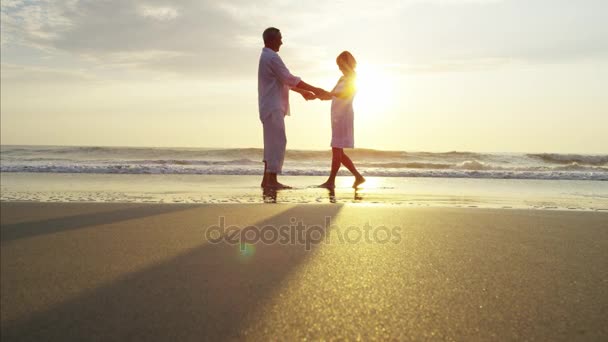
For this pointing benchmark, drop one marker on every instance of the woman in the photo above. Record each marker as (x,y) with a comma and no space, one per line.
(342,120)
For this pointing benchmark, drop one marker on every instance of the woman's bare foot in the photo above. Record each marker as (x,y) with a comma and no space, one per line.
(358,181)
(328,185)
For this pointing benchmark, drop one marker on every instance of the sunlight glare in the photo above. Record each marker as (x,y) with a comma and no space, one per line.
(374,90)
(347,182)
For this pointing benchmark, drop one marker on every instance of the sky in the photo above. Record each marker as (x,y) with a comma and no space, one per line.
(433,75)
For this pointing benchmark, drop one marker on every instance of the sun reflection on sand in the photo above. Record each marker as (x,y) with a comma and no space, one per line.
(370,183)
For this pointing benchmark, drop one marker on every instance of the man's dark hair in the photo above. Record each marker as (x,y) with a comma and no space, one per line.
(270,34)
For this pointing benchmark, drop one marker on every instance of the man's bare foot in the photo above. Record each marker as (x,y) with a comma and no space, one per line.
(276,186)
(328,185)
(269,195)
(358,181)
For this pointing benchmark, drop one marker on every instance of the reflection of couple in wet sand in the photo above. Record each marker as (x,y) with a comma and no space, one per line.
(274,83)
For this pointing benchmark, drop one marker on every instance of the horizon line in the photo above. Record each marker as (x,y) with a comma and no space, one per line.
(299,149)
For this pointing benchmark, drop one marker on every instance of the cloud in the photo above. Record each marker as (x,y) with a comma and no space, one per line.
(34,23)
(12,3)
(204,38)
(158,13)
(152,34)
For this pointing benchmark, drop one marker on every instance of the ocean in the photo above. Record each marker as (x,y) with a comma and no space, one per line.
(545,181)
(247,161)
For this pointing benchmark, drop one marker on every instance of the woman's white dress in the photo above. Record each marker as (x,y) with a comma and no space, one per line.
(342,116)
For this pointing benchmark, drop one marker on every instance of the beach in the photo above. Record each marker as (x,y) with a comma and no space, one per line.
(415,171)
(137,271)
(536,194)
(182,244)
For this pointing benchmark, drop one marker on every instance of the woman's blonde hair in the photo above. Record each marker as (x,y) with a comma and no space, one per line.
(347,60)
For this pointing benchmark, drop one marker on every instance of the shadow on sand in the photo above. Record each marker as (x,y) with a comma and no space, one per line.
(16,231)
(207,293)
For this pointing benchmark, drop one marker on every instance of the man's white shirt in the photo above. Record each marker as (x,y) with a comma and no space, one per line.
(274,82)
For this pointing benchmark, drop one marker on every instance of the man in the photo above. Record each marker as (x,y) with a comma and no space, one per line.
(274,83)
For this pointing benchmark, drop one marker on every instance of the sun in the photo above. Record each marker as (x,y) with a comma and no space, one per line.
(374,90)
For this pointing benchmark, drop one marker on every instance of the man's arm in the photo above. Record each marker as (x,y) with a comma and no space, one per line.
(294,82)
(317,91)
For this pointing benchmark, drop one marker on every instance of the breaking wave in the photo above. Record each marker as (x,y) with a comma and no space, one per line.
(247,161)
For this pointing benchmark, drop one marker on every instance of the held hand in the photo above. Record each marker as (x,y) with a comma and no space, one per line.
(322,93)
(309,96)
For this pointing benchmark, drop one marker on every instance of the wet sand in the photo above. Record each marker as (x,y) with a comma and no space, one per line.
(91,271)
(221,189)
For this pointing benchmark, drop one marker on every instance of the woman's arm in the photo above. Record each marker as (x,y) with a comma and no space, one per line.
(344,89)
(326,96)
(307,95)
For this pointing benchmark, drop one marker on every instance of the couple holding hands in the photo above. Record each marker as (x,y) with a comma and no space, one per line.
(274,83)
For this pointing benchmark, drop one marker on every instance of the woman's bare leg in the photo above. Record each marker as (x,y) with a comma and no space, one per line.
(336,161)
(351,167)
